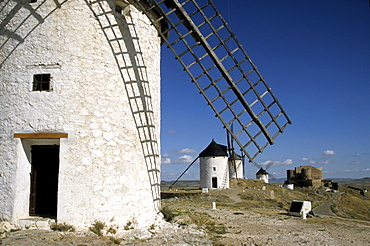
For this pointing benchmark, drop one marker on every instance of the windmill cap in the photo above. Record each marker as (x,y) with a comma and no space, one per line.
(214,149)
(262,171)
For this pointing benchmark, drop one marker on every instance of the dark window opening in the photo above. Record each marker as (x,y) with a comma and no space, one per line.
(44,180)
(214,182)
(41,82)
(214,168)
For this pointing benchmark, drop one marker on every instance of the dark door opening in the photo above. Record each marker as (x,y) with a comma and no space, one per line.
(214,182)
(44,180)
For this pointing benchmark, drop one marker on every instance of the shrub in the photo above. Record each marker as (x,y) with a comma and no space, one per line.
(97,228)
(167,213)
(115,240)
(128,226)
(62,227)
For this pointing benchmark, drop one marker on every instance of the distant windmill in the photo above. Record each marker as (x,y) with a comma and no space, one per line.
(236,162)
(262,173)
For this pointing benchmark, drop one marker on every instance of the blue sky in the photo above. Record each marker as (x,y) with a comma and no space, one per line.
(315,55)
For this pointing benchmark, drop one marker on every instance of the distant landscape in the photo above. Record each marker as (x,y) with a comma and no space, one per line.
(351,204)
(261,201)
(194,184)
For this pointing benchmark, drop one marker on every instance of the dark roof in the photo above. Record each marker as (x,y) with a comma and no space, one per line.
(214,149)
(261,171)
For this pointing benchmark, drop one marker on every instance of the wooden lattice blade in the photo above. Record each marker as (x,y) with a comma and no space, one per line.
(223,72)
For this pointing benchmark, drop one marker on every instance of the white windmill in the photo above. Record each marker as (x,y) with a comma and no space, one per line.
(262,173)
(236,162)
(214,170)
(80,85)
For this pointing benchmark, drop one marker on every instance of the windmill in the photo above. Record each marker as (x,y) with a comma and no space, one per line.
(236,162)
(110,66)
(219,67)
(262,173)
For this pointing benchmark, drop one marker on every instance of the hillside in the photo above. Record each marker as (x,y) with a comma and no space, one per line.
(255,201)
(249,213)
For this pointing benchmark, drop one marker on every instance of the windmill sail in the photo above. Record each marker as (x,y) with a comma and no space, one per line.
(223,72)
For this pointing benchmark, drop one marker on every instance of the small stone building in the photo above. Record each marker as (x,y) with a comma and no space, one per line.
(80,112)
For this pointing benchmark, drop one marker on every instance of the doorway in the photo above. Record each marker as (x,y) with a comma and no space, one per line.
(44,180)
(214,182)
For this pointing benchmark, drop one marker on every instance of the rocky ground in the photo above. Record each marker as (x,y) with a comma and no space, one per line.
(243,228)
(273,228)
(166,234)
(225,225)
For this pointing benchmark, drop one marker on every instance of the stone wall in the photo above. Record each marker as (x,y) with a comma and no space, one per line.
(102,171)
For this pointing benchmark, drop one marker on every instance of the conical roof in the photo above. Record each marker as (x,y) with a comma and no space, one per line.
(214,149)
(261,172)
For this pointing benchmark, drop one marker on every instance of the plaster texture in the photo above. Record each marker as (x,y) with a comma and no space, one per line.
(237,171)
(263,177)
(214,167)
(102,66)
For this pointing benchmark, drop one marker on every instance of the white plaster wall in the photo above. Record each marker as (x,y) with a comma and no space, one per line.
(263,177)
(207,171)
(239,170)
(102,173)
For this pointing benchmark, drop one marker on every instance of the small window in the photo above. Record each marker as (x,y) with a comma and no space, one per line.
(214,168)
(41,82)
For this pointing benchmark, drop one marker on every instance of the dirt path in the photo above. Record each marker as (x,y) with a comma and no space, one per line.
(325,207)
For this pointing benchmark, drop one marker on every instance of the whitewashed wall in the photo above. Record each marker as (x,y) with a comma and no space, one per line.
(102,173)
(263,177)
(207,166)
(239,169)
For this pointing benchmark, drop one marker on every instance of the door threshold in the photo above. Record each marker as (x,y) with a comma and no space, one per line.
(35,222)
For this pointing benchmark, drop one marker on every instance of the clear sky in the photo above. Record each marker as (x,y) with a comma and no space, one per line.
(315,55)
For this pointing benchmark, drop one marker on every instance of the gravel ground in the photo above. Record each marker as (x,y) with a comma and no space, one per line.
(243,228)
(251,228)
(166,234)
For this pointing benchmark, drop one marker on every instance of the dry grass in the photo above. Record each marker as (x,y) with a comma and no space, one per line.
(246,194)
(254,197)
(62,227)
(352,205)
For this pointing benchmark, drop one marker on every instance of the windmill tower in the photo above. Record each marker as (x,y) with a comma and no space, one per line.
(236,167)
(214,169)
(262,174)
(80,110)
(236,162)
(80,86)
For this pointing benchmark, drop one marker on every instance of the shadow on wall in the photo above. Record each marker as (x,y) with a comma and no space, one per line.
(119,28)
(17,35)
(121,34)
